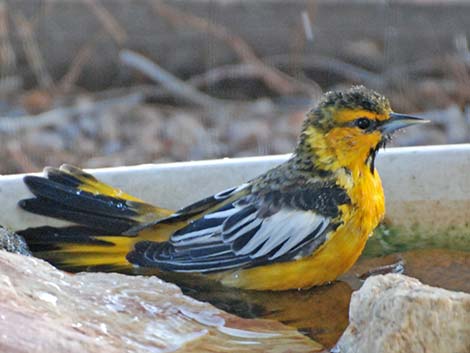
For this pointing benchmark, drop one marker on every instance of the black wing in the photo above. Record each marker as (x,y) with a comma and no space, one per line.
(250,230)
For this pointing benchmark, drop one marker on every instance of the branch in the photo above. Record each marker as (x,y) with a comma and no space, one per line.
(166,79)
(7,54)
(75,68)
(31,48)
(111,25)
(275,79)
(339,67)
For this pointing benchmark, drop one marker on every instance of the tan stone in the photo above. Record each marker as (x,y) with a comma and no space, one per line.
(46,310)
(396,313)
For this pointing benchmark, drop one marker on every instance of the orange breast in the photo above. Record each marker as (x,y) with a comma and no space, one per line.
(336,255)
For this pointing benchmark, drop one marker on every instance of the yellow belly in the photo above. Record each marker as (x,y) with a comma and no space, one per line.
(330,261)
(337,254)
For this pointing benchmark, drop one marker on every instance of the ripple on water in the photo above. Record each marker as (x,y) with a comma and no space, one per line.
(205,317)
(235,332)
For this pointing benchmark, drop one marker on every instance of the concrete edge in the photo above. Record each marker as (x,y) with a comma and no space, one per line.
(425,186)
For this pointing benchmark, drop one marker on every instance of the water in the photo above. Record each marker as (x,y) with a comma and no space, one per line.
(140,313)
(322,312)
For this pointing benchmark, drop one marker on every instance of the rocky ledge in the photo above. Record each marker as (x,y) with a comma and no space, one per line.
(396,314)
(46,310)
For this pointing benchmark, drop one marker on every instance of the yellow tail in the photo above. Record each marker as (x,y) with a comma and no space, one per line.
(102,217)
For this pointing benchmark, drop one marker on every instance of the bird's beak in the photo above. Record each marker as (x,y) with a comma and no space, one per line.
(399,121)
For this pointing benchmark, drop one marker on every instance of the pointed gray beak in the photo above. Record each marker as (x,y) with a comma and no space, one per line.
(400,121)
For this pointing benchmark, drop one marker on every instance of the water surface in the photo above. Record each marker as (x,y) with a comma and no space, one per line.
(322,312)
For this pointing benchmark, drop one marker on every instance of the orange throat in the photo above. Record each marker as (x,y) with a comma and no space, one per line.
(339,252)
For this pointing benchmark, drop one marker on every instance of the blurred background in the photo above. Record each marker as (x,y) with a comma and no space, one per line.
(116,82)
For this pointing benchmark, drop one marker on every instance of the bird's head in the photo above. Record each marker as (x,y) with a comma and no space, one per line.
(347,128)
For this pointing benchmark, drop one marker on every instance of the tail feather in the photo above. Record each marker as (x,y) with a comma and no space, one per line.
(101,215)
(81,180)
(81,200)
(58,210)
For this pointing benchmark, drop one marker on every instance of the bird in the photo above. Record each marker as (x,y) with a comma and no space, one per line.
(301,224)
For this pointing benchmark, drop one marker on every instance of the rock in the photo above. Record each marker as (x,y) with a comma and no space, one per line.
(246,134)
(188,137)
(12,242)
(396,313)
(36,101)
(44,140)
(46,310)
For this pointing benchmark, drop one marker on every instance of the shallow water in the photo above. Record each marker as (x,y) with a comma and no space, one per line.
(322,312)
(129,311)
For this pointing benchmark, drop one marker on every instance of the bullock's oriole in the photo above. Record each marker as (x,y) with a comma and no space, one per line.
(301,224)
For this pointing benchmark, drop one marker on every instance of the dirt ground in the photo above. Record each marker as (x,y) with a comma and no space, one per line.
(253,105)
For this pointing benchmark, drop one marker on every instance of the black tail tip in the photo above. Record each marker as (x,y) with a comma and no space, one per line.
(23,204)
(32,180)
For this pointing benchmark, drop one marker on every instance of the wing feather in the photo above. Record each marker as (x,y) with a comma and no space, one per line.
(248,230)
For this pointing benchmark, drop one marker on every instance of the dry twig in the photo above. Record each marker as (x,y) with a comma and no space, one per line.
(8,81)
(75,68)
(225,72)
(237,71)
(275,79)
(339,67)
(31,48)
(166,79)
(419,67)
(7,54)
(111,25)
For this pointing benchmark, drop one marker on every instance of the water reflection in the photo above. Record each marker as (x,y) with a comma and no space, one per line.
(321,312)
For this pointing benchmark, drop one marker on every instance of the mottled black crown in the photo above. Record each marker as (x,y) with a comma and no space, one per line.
(357,97)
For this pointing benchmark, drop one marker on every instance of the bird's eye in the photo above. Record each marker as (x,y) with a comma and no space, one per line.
(362,123)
